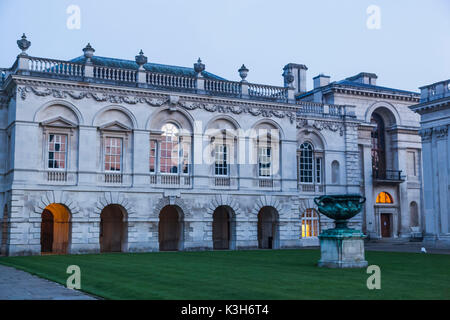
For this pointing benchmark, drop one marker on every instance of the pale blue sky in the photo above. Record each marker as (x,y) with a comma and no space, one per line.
(411,49)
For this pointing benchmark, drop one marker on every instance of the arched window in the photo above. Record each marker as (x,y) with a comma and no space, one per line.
(335,172)
(384,197)
(378,145)
(414,214)
(310,223)
(310,165)
(170,151)
(265,156)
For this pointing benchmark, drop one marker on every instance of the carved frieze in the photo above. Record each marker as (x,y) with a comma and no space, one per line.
(156,102)
(321,125)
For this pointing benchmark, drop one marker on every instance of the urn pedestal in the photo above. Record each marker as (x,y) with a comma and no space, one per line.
(341,247)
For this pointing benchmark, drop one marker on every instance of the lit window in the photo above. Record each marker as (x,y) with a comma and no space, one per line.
(57,151)
(384,197)
(310,223)
(113,154)
(169,157)
(221,160)
(264,161)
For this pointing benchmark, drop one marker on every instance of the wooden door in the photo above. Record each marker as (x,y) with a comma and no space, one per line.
(385,225)
(221,229)
(47,231)
(111,229)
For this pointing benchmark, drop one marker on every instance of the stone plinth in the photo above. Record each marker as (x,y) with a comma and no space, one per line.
(342,248)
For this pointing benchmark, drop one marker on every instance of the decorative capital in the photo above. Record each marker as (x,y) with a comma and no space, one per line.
(88,53)
(426,134)
(199,67)
(141,59)
(243,73)
(441,132)
(23,44)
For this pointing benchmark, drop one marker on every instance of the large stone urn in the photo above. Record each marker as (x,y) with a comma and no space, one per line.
(341,247)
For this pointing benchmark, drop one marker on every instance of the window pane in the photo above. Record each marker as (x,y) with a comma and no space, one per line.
(57,151)
(113,154)
(306,163)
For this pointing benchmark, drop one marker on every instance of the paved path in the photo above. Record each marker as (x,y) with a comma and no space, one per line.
(398,246)
(20,285)
(402,246)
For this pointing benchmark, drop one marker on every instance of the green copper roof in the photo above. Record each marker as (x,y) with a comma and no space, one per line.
(153,67)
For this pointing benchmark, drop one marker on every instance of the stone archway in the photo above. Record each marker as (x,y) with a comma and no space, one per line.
(171,228)
(55,229)
(113,229)
(268,235)
(223,228)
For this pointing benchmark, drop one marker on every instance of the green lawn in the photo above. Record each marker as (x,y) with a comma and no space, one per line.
(255,274)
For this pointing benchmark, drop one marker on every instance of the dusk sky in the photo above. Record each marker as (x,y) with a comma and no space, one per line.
(410,49)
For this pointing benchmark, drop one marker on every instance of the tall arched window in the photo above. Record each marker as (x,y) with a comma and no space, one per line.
(170,151)
(335,172)
(310,166)
(414,214)
(378,145)
(265,156)
(310,223)
(384,197)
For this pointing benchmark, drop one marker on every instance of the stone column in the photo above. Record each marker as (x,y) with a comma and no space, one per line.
(368,188)
(428,177)
(442,154)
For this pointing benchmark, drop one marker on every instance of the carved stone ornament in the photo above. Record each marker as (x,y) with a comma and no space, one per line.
(322,125)
(174,101)
(23,44)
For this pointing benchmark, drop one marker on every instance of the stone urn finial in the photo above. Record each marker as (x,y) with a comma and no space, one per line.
(199,67)
(141,59)
(243,72)
(23,44)
(88,53)
(289,78)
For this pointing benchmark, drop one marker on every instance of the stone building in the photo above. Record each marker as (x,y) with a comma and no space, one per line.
(388,150)
(102,154)
(434,109)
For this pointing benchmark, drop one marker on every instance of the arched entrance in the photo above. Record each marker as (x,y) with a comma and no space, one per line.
(170,229)
(113,228)
(268,228)
(55,229)
(223,228)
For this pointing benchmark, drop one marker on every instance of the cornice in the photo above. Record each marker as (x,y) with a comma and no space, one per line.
(154,98)
(431,106)
(369,93)
(107,88)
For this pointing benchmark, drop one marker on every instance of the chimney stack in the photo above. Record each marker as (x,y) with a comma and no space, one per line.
(365,78)
(299,73)
(321,80)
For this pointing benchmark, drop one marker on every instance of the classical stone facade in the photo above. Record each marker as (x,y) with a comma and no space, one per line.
(388,151)
(102,154)
(434,109)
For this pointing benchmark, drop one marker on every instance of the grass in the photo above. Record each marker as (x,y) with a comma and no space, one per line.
(253,274)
